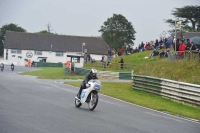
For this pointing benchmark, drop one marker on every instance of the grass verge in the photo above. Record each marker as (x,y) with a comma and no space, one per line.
(183,71)
(52,73)
(125,92)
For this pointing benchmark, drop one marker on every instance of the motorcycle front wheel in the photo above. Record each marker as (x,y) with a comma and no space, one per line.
(77,102)
(93,101)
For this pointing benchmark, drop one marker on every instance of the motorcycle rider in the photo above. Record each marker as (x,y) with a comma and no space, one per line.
(2,66)
(91,75)
(12,67)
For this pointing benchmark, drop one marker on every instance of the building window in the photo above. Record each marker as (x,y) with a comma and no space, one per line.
(59,54)
(16,51)
(38,52)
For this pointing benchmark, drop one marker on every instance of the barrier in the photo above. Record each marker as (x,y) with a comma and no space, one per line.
(179,91)
(46,64)
(102,74)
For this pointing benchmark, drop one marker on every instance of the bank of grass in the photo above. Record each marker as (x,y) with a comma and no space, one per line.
(184,71)
(52,73)
(125,92)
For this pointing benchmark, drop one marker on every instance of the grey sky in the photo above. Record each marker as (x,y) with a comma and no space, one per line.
(85,17)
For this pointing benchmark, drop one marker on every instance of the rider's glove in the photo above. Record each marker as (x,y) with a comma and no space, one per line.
(87,85)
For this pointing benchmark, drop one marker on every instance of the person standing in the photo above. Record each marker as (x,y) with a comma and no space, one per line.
(122,63)
(109,52)
(156,44)
(181,49)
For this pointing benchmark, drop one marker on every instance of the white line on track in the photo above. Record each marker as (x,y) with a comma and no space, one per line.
(163,117)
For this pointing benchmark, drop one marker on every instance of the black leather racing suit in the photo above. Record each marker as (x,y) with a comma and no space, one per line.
(83,85)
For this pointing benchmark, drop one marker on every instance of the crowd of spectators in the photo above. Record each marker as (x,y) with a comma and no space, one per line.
(178,45)
(163,45)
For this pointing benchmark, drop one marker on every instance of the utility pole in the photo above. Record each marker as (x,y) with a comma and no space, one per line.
(49,27)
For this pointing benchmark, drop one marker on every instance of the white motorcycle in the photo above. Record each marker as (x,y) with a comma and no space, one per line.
(89,95)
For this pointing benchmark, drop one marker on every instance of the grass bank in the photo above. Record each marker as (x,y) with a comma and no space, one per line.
(125,92)
(52,73)
(184,71)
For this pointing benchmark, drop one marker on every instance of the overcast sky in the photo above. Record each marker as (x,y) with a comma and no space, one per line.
(85,17)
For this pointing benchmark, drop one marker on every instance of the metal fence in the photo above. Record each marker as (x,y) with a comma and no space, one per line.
(188,55)
(179,91)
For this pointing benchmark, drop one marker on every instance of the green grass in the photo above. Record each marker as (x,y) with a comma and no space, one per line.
(184,71)
(52,73)
(125,92)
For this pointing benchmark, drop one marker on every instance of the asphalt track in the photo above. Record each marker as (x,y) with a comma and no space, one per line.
(31,105)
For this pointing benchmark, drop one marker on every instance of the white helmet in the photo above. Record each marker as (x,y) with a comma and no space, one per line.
(93,72)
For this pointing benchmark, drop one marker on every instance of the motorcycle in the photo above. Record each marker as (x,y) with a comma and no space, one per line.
(89,95)
(12,68)
(2,68)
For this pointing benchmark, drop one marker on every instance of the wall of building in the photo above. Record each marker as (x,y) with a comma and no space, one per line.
(96,57)
(19,59)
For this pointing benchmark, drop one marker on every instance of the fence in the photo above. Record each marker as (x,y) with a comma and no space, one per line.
(126,66)
(192,55)
(188,55)
(179,91)
(103,74)
(46,64)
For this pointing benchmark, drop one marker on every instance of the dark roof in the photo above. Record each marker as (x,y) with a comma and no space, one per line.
(191,34)
(60,43)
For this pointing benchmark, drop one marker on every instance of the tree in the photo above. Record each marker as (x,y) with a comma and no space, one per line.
(48,31)
(117,30)
(9,27)
(190,17)
(45,32)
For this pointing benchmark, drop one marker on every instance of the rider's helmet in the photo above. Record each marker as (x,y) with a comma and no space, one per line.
(93,72)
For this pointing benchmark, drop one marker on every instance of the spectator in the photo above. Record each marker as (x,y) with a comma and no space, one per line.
(177,45)
(188,44)
(163,54)
(156,44)
(131,48)
(126,48)
(193,46)
(181,50)
(139,47)
(67,65)
(29,63)
(102,58)
(136,50)
(122,63)
(109,52)
(109,60)
(154,53)
(88,57)
(122,50)
(142,46)
(146,46)
(33,64)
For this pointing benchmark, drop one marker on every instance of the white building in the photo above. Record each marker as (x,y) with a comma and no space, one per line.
(20,46)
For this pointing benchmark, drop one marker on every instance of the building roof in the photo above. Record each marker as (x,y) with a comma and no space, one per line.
(191,34)
(55,43)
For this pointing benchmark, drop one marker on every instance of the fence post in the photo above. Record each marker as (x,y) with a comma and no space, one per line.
(132,74)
